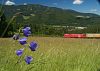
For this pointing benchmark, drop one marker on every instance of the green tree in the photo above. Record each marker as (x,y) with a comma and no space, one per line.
(3,26)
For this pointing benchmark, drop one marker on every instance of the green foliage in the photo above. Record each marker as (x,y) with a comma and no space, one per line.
(93,28)
(51,21)
(3,26)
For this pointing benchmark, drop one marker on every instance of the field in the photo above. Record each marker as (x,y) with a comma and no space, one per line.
(53,54)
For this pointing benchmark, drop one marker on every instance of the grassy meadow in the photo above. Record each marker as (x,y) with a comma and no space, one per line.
(52,54)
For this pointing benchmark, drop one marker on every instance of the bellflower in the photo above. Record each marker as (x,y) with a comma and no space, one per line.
(16,37)
(28,59)
(26,31)
(19,52)
(28,28)
(22,41)
(33,46)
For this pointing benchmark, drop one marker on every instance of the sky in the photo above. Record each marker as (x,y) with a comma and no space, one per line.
(86,6)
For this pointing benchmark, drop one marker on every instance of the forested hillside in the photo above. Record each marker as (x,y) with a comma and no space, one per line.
(51,20)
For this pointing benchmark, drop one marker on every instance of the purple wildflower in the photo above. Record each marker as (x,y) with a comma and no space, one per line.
(19,52)
(22,41)
(16,37)
(28,59)
(33,46)
(26,31)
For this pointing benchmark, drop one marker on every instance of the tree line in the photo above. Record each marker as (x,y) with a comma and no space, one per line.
(41,29)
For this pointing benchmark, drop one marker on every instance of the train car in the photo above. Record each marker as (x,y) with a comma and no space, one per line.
(74,35)
(93,35)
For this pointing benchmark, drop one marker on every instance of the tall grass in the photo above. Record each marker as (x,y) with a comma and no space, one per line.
(53,54)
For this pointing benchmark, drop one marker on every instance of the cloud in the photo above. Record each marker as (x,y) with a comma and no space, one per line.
(93,10)
(8,2)
(54,3)
(78,2)
(25,3)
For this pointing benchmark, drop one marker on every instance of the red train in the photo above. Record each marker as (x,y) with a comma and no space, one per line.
(82,35)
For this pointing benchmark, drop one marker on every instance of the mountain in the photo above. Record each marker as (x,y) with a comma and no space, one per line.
(39,14)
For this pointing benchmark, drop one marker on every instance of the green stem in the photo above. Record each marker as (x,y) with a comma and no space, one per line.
(10,23)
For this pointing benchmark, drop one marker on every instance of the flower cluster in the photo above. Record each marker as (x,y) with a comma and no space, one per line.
(33,45)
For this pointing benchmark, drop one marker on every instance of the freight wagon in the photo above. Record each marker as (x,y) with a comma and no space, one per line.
(93,35)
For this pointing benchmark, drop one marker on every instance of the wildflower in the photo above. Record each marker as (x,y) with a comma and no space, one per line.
(16,37)
(19,52)
(28,59)
(33,46)
(28,28)
(22,41)
(26,31)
